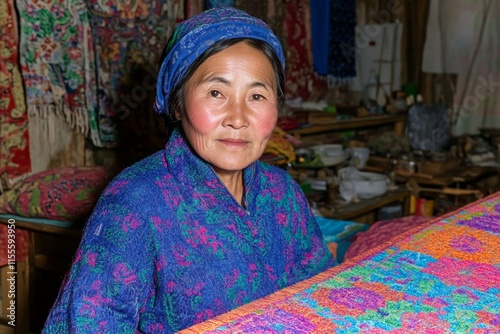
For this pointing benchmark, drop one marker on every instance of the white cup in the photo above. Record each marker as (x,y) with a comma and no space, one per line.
(359,156)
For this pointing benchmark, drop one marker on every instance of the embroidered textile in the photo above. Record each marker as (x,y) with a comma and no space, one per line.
(189,251)
(301,79)
(129,37)
(57,59)
(14,138)
(439,277)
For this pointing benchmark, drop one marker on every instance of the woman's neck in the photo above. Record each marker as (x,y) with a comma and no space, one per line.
(233,182)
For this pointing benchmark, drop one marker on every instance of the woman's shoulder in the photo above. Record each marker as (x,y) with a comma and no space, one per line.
(138,177)
(275,175)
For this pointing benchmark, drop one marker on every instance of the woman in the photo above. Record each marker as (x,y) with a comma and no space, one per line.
(202,226)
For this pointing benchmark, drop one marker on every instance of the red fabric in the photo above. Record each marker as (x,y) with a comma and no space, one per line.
(382,231)
(193,7)
(301,79)
(21,242)
(14,139)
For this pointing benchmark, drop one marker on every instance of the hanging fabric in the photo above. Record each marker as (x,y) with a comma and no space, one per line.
(57,70)
(194,7)
(276,20)
(14,137)
(465,40)
(257,8)
(342,65)
(320,26)
(129,39)
(209,4)
(301,79)
(270,11)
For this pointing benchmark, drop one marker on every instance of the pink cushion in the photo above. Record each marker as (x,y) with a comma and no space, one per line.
(65,193)
(382,231)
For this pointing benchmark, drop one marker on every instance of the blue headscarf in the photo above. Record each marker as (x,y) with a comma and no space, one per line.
(194,36)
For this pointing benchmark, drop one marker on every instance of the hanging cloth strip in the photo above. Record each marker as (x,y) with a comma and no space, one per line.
(194,7)
(56,60)
(270,11)
(129,38)
(209,4)
(14,138)
(342,65)
(320,26)
(301,80)
(257,8)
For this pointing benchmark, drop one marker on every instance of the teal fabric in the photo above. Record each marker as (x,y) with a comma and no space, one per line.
(341,232)
(58,223)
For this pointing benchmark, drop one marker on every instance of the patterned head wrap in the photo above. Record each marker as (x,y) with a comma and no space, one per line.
(194,36)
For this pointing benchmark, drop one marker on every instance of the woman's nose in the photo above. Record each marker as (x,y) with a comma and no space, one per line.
(236,115)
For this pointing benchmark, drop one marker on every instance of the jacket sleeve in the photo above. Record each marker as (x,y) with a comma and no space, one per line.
(311,252)
(111,273)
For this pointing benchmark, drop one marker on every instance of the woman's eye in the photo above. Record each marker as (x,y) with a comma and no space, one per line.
(214,93)
(257,97)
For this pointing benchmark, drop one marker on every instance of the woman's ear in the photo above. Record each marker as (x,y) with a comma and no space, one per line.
(177,114)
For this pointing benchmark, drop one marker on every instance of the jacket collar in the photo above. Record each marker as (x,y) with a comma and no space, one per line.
(189,169)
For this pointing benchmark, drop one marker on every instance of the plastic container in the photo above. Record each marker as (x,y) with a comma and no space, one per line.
(390,212)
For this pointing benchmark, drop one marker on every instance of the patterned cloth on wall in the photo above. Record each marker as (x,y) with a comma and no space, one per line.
(270,11)
(193,7)
(257,8)
(129,38)
(301,78)
(342,65)
(57,59)
(209,4)
(14,138)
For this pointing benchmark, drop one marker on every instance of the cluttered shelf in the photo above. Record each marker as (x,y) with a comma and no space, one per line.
(318,122)
(435,179)
(307,123)
(357,210)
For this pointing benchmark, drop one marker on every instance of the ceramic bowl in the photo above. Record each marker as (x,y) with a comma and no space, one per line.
(331,154)
(363,185)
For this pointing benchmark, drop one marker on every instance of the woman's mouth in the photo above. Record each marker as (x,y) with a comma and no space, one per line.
(234,142)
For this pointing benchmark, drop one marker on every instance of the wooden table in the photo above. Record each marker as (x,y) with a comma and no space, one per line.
(50,252)
(364,211)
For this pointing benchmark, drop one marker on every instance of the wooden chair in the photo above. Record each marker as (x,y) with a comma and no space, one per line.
(50,252)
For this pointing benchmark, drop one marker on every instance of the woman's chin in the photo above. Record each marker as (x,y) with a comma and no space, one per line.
(233,164)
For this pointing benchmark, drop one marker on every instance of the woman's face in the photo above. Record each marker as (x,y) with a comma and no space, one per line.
(231,107)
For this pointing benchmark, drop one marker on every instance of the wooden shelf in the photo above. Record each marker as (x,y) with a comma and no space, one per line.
(356,211)
(332,124)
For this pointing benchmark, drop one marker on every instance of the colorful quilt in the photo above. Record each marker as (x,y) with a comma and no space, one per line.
(440,277)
